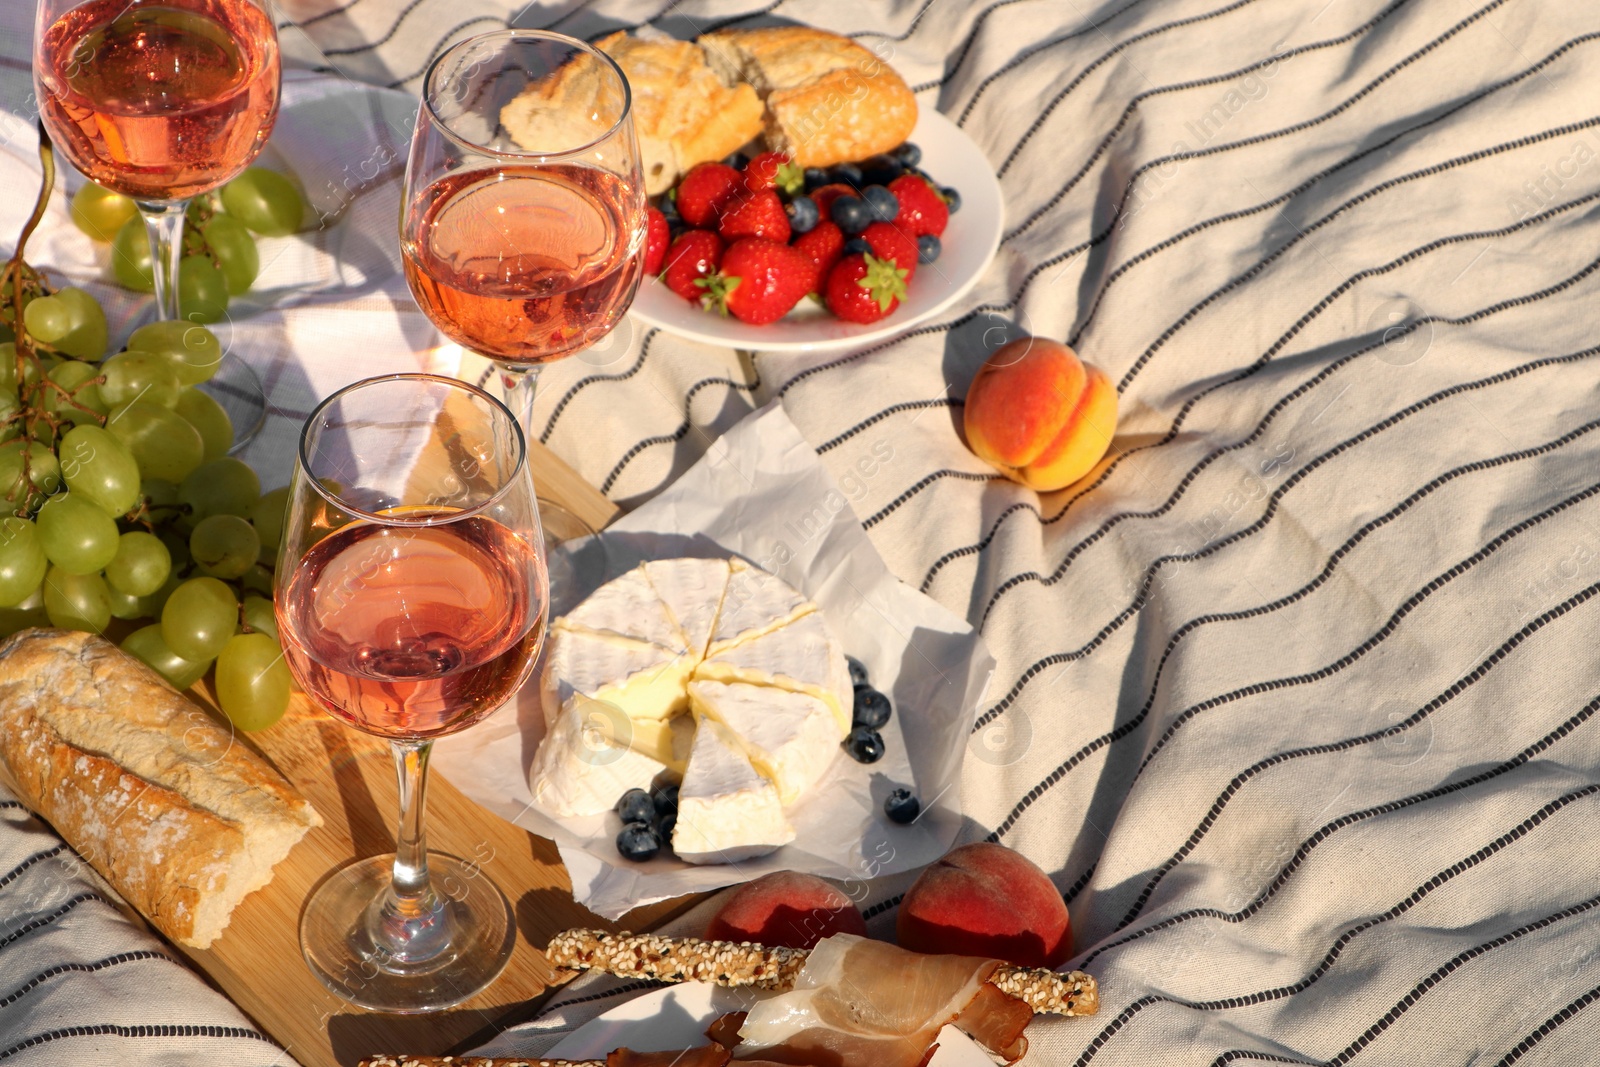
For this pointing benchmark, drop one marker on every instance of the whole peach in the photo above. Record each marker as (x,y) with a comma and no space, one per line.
(786,908)
(1039,414)
(985,900)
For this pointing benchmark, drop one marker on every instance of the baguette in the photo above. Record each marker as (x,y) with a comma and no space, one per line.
(741,964)
(154,793)
(828,99)
(472,1061)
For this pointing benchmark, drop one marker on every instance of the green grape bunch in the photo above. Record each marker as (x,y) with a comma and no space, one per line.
(118,497)
(220,258)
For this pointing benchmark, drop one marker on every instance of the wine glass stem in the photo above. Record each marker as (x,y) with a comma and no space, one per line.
(163,222)
(410,923)
(520,382)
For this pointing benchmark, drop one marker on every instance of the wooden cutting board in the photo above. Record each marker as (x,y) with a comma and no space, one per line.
(349,777)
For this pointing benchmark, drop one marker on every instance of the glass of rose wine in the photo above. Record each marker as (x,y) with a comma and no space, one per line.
(412,600)
(523,218)
(159,100)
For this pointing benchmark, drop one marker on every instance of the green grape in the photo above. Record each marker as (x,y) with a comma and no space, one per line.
(28,613)
(198,618)
(224,546)
(75,376)
(135,375)
(147,645)
(225,486)
(159,492)
(99,467)
(48,318)
(8,368)
(202,290)
(193,349)
(77,601)
(257,579)
(43,469)
(130,258)
(265,201)
(76,534)
(141,565)
(89,331)
(209,420)
(124,606)
(253,681)
(269,516)
(100,213)
(260,616)
(22,562)
(150,606)
(177,542)
(164,446)
(235,249)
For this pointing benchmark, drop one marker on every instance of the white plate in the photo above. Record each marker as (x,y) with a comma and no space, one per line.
(676,1018)
(970,240)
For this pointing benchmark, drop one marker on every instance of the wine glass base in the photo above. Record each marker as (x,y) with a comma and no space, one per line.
(341,953)
(238,389)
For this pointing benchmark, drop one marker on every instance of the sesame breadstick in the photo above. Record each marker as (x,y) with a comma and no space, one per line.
(741,964)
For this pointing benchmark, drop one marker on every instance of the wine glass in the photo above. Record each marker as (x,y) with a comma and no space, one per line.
(523,218)
(159,100)
(412,598)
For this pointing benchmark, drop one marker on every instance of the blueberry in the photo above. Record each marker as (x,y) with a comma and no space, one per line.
(858,672)
(635,806)
(882,203)
(928,248)
(803,214)
(664,826)
(864,745)
(952,198)
(856,244)
(851,214)
(816,178)
(665,799)
(881,169)
(669,208)
(901,806)
(848,173)
(871,708)
(638,841)
(908,154)
(738,161)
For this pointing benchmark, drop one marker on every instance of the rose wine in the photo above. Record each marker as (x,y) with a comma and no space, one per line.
(524,264)
(161,101)
(414,631)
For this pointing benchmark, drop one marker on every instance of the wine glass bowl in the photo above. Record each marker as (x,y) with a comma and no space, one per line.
(412,601)
(523,216)
(159,100)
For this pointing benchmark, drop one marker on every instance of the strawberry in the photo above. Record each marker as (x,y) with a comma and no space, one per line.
(890,242)
(705,190)
(823,245)
(863,288)
(922,211)
(828,194)
(758,214)
(693,256)
(759,281)
(774,170)
(657,236)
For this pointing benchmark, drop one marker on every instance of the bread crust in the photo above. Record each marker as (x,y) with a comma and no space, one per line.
(180,818)
(828,99)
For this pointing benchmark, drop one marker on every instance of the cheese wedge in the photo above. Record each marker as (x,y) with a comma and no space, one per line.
(727,812)
(581,768)
(665,740)
(802,657)
(692,591)
(791,738)
(627,607)
(754,604)
(645,680)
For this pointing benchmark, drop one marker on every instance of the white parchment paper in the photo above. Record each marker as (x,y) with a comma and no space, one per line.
(761,493)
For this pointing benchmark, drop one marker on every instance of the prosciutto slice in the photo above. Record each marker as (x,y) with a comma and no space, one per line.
(861,1003)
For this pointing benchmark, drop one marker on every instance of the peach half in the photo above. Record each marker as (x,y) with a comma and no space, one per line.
(1039,414)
